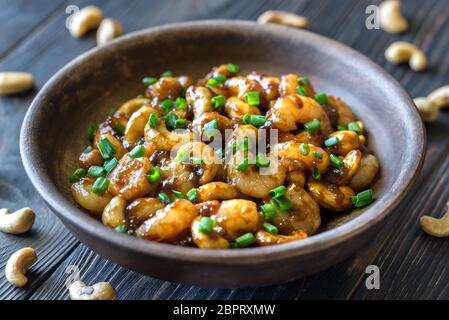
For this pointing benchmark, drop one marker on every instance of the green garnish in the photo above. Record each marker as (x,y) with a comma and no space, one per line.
(302,91)
(255,120)
(233,68)
(268,211)
(336,161)
(342,127)
(166,74)
(318,155)
(154,175)
(216,80)
(312,126)
(270,228)
(354,126)
(332,141)
(321,98)
(363,198)
(91,131)
(192,194)
(121,229)
(166,105)
(283,204)
(164,198)
(106,149)
(153,120)
(148,81)
(110,165)
(316,174)
(138,151)
(100,185)
(96,171)
(218,101)
(206,225)
(119,129)
(77,174)
(242,166)
(181,103)
(178,194)
(245,240)
(305,149)
(262,161)
(210,129)
(278,192)
(252,98)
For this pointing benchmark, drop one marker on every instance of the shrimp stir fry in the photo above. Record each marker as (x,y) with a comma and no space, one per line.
(227,161)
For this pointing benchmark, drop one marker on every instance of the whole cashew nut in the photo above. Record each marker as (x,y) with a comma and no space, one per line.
(436,227)
(390,17)
(84,20)
(429,112)
(284,18)
(17,222)
(108,30)
(402,52)
(17,266)
(100,291)
(15,82)
(439,97)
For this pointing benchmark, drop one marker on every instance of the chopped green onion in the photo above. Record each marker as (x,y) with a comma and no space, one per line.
(178,194)
(270,228)
(304,81)
(283,204)
(278,192)
(316,174)
(106,149)
(321,98)
(167,74)
(77,174)
(302,91)
(182,157)
(318,155)
(96,171)
(262,161)
(110,165)
(342,127)
(166,105)
(245,240)
(206,225)
(119,128)
(354,126)
(363,198)
(268,211)
(181,103)
(164,198)
(242,166)
(153,120)
(234,147)
(170,120)
(137,151)
(148,81)
(100,185)
(154,175)
(305,149)
(112,112)
(233,245)
(244,144)
(233,68)
(313,125)
(255,120)
(210,129)
(88,149)
(91,131)
(332,141)
(197,160)
(218,101)
(121,229)
(252,98)
(180,123)
(336,161)
(192,194)
(216,80)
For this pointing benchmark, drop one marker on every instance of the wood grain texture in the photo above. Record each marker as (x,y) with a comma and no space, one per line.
(413,265)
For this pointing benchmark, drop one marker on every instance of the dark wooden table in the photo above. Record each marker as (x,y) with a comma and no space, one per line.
(412,265)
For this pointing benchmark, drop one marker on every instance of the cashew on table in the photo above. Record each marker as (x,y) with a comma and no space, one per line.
(436,227)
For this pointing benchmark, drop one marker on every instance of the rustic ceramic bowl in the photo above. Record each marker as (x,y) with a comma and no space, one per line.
(83,92)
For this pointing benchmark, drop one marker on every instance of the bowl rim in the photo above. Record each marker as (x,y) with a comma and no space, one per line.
(68,211)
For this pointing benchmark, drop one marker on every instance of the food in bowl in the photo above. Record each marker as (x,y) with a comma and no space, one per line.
(228,161)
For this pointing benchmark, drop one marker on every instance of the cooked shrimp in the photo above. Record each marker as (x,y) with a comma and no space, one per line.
(240,86)
(169,223)
(351,163)
(304,215)
(345,115)
(223,122)
(210,161)
(217,191)
(293,109)
(200,100)
(128,178)
(178,177)
(292,157)
(331,196)
(119,150)
(267,239)
(298,177)
(142,209)
(90,158)
(211,240)
(89,200)
(269,84)
(131,106)
(165,88)
(236,108)
(237,217)
(369,166)
(309,137)
(289,84)
(347,141)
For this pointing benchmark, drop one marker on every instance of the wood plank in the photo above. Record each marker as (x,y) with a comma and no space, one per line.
(19,18)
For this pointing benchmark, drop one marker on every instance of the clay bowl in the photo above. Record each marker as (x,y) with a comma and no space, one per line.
(83,92)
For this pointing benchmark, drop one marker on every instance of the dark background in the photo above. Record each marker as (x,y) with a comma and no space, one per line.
(33,38)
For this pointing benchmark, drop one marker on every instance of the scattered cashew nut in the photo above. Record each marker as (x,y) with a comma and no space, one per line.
(439,97)
(84,20)
(15,82)
(401,52)
(436,227)
(99,291)
(285,18)
(17,266)
(17,222)
(390,17)
(108,30)
(429,112)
